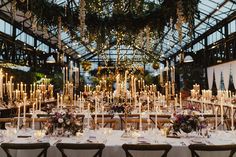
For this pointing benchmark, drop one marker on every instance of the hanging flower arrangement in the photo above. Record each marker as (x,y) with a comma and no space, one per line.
(97,20)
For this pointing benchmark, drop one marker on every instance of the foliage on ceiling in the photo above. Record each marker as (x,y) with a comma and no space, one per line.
(134,22)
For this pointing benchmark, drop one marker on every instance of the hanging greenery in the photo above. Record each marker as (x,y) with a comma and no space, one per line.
(102,19)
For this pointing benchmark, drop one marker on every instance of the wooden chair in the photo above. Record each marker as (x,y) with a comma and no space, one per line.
(210,148)
(161,120)
(146,147)
(3,121)
(210,118)
(23,146)
(132,118)
(108,120)
(41,121)
(74,146)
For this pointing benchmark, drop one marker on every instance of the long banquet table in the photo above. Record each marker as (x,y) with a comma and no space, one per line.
(114,140)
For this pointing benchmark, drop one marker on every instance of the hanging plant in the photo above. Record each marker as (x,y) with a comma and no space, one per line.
(86,65)
(94,19)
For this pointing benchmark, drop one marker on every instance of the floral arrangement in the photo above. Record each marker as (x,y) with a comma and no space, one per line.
(188,123)
(67,122)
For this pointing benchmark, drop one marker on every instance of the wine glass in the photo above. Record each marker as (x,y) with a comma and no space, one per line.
(10,130)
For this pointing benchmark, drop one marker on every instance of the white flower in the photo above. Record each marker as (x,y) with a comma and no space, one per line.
(60,120)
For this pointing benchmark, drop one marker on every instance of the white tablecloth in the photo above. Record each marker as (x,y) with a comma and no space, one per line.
(114,141)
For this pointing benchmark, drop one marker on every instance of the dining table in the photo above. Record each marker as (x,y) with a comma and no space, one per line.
(114,139)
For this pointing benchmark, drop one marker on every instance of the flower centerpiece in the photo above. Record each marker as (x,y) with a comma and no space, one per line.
(188,123)
(66,122)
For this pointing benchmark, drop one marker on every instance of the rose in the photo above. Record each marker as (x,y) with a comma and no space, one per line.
(60,120)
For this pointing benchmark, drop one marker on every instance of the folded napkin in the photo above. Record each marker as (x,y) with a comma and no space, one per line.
(92,139)
(142,140)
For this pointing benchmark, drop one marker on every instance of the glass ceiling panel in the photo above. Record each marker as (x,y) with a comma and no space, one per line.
(170,42)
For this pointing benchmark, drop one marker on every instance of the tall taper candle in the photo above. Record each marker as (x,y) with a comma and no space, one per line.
(24,114)
(216,118)
(102,116)
(222,111)
(140,116)
(232,117)
(33,116)
(18,119)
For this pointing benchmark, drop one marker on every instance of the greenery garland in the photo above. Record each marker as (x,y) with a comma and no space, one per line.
(125,20)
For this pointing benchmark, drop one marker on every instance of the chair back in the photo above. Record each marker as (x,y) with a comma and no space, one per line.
(77,146)
(131,118)
(108,120)
(26,146)
(146,147)
(202,147)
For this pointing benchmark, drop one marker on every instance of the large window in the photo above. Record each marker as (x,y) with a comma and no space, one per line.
(5,27)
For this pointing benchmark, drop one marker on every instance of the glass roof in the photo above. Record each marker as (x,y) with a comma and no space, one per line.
(210,13)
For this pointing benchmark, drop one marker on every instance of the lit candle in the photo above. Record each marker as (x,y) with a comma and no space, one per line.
(21,89)
(34,88)
(232,117)
(166,89)
(40,102)
(216,118)
(33,116)
(24,113)
(156,118)
(88,116)
(1,84)
(173,89)
(61,102)
(18,118)
(66,74)
(31,88)
(102,116)
(176,101)
(140,117)
(148,106)
(25,87)
(58,100)
(63,76)
(161,76)
(11,89)
(96,116)
(222,111)
(36,104)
